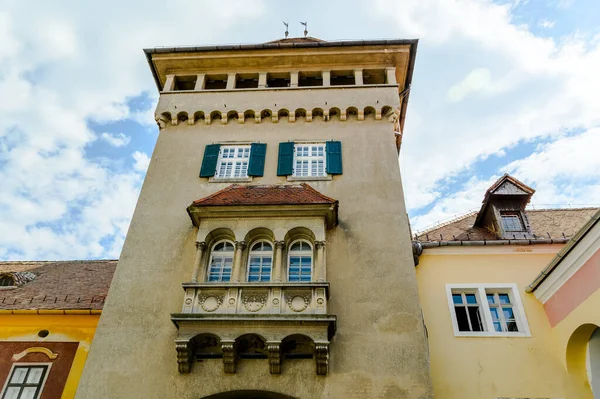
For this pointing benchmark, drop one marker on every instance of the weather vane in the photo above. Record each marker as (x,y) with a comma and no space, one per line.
(286,29)
(305,28)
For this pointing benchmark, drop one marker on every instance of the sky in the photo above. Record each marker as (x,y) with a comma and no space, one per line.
(499,87)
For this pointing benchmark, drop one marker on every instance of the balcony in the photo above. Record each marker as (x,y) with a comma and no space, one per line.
(218,319)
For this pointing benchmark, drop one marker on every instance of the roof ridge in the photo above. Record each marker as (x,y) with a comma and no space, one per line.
(4,262)
(223,190)
(582,208)
(318,193)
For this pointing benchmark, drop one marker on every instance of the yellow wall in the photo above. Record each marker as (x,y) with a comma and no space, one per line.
(63,328)
(572,335)
(489,367)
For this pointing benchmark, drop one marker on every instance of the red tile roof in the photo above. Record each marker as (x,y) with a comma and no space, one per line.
(265,195)
(64,285)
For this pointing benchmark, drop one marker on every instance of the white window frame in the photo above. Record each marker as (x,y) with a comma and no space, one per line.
(481,291)
(238,156)
(220,254)
(261,255)
(312,172)
(301,253)
(43,382)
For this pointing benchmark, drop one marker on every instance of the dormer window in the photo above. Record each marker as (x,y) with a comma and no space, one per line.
(511,221)
(7,281)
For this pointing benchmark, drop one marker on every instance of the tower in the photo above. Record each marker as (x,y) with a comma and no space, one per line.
(269,254)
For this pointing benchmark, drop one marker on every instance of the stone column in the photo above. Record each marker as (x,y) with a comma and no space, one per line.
(262,80)
(169,83)
(237,260)
(278,261)
(294,79)
(358,77)
(326,78)
(200,82)
(228,349)
(320,261)
(200,247)
(390,74)
(230,81)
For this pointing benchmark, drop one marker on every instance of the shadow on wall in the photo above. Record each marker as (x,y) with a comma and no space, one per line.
(249,395)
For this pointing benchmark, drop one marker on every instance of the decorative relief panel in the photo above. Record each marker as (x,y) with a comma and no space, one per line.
(253,302)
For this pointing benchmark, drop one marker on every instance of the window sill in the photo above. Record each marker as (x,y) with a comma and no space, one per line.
(491,335)
(230,179)
(310,178)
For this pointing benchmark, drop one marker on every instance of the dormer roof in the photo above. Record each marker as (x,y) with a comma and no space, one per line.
(506,185)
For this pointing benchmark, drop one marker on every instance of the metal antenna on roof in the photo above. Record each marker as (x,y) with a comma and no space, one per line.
(305,27)
(286,29)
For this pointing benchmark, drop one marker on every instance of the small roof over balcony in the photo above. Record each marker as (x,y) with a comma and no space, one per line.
(265,200)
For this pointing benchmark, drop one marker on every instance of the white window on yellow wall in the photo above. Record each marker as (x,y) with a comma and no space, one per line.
(487,310)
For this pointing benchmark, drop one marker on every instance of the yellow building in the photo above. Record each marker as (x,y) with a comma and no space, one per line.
(48,317)
(489,337)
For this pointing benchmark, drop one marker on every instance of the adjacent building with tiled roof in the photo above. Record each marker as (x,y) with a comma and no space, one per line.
(61,285)
(497,294)
(49,311)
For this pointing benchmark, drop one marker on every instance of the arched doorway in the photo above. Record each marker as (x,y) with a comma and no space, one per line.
(249,394)
(583,361)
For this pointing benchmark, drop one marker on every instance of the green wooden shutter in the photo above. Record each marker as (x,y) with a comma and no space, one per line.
(285,163)
(334,157)
(256,164)
(209,162)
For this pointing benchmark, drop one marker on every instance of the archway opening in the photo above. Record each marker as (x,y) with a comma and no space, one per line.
(249,394)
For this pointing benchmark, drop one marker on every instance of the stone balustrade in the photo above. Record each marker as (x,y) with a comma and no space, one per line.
(308,298)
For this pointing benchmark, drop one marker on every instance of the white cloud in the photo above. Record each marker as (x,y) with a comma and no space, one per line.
(63,65)
(546,24)
(141,161)
(479,79)
(483,84)
(115,139)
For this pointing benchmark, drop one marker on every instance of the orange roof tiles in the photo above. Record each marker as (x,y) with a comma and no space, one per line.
(265,195)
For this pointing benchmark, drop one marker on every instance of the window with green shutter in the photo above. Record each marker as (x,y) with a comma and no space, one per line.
(256,165)
(334,157)
(209,162)
(285,162)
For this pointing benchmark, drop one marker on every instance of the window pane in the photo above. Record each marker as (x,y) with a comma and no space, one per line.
(504,298)
(508,313)
(475,318)
(35,374)
(494,312)
(28,393)
(471,298)
(461,319)
(12,393)
(512,326)
(490,298)
(497,326)
(457,298)
(18,375)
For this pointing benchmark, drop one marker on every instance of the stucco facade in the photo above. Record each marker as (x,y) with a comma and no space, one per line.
(379,347)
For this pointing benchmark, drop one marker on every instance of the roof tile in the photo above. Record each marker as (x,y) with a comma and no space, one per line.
(265,195)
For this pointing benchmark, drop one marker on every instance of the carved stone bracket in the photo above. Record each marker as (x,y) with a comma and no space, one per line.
(201,245)
(279,244)
(320,244)
(184,356)
(274,353)
(241,245)
(322,357)
(229,358)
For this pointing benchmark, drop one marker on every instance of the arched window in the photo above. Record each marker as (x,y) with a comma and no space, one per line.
(300,257)
(221,260)
(260,262)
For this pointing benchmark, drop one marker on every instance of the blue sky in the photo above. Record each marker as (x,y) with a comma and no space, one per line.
(506,86)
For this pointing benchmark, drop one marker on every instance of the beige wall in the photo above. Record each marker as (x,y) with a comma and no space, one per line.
(379,349)
(490,367)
